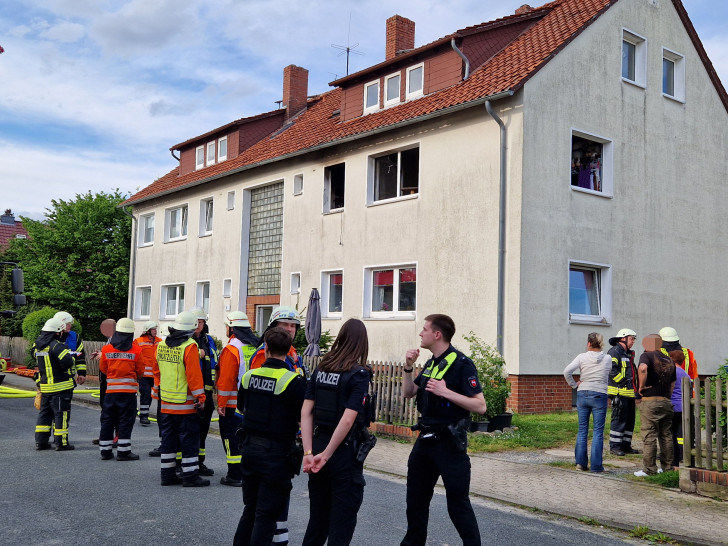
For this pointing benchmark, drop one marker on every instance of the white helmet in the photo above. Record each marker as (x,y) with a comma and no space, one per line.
(148,325)
(624,332)
(64,317)
(125,326)
(237,318)
(199,313)
(53,325)
(185,321)
(283,313)
(669,333)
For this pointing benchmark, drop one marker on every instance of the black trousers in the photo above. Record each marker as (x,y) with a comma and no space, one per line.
(145,395)
(229,423)
(677,439)
(430,459)
(117,414)
(622,424)
(267,488)
(180,432)
(336,493)
(55,409)
(204,423)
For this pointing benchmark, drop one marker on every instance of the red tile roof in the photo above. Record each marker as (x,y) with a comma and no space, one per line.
(9,231)
(504,73)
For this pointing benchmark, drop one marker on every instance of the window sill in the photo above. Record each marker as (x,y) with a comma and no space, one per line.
(176,239)
(672,98)
(332,317)
(414,96)
(142,245)
(393,200)
(207,234)
(587,319)
(592,192)
(390,317)
(636,84)
(333,211)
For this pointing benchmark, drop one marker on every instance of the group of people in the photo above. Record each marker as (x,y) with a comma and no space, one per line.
(275,417)
(654,385)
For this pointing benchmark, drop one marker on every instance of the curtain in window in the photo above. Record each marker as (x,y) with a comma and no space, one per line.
(383,290)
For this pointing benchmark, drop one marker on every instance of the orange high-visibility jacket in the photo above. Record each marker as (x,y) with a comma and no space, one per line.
(193,378)
(232,358)
(121,368)
(149,352)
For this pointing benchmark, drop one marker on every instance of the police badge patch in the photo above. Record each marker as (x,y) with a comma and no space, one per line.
(473,381)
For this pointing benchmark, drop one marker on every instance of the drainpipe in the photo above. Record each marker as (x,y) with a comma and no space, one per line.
(501,229)
(174,156)
(132,272)
(467,62)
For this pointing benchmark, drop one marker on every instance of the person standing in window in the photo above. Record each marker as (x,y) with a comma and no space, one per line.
(593,368)
(622,392)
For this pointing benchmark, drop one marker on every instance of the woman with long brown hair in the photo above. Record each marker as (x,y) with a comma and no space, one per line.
(333,419)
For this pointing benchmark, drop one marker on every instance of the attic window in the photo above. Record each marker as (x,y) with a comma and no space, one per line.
(415,78)
(210,153)
(391,89)
(222,149)
(371,97)
(199,157)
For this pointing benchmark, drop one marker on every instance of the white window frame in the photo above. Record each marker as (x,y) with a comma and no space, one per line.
(207,216)
(414,94)
(231,200)
(143,219)
(138,299)
(678,74)
(260,322)
(222,156)
(163,300)
(393,100)
(200,295)
(296,282)
(227,288)
(640,58)
(326,293)
(374,108)
(210,157)
(184,223)
(607,163)
(372,173)
(199,158)
(394,314)
(327,208)
(298,184)
(604,291)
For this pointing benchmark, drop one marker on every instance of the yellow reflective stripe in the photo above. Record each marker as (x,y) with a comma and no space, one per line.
(42,428)
(680,441)
(281,376)
(620,376)
(614,391)
(56,387)
(439,373)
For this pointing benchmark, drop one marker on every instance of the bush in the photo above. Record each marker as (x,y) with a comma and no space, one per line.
(491,368)
(32,325)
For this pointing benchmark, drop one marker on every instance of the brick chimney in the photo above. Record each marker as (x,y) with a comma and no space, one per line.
(525,8)
(400,35)
(295,89)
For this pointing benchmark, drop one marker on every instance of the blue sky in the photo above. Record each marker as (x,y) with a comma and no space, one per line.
(94,92)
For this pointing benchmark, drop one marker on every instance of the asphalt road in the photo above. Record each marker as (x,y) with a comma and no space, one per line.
(73,497)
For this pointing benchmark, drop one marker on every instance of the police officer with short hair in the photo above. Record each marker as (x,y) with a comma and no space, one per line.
(447,391)
(270,399)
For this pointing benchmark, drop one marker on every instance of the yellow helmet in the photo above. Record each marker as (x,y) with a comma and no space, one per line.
(125,326)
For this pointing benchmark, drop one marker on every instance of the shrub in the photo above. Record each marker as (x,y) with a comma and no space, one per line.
(491,368)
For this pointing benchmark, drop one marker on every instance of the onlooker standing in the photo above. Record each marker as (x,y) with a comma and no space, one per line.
(622,391)
(657,380)
(593,368)
(682,356)
(677,430)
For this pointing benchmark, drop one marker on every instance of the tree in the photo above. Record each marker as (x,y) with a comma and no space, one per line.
(77,259)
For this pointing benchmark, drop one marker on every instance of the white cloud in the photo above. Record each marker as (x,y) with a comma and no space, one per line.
(65,32)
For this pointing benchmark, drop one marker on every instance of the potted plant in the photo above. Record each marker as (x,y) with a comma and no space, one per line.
(491,368)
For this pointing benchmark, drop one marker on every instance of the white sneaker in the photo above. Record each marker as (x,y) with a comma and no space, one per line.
(659,470)
(640,474)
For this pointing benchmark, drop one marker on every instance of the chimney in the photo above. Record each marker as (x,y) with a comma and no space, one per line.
(295,89)
(525,8)
(8,218)
(400,35)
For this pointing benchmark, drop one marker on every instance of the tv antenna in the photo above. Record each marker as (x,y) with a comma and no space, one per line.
(348,49)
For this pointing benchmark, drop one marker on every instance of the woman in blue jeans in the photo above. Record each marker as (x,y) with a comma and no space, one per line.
(591,398)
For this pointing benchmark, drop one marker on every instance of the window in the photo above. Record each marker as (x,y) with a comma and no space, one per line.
(227,286)
(332,288)
(262,316)
(590,293)
(393,175)
(173,300)
(222,149)
(203,296)
(391,89)
(298,184)
(231,200)
(142,302)
(176,223)
(634,58)
(146,230)
(206,208)
(591,164)
(415,81)
(371,97)
(390,291)
(295,283)
(199,157)
(210,153)
(673,75)
(334,187)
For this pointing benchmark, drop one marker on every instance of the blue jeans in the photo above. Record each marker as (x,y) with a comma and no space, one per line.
(590,402)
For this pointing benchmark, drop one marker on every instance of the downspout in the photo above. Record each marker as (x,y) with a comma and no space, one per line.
(174,156)
(501,229)
(462,55)
(132,267)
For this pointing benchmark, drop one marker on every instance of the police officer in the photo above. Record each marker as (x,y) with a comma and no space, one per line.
(148,343)
(334,418)
(270,399)
(55,381)
(208,363)
(447,391)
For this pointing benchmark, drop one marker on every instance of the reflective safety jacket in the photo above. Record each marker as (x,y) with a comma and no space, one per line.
(180,377)
(75,345)
(231,367)
(435,410)
(294,362)
(264,414)
(623,379)
(689,365)
(121,368)
(55,363)
(148,346)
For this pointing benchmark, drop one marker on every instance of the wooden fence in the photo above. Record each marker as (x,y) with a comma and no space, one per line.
(704,426)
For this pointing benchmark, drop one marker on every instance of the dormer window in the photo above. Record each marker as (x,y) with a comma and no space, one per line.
(210,153)
(199,157)
(415,79)
(371,97)
(222,149)
(391,89)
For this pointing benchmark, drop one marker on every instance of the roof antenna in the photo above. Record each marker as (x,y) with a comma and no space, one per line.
(348,48)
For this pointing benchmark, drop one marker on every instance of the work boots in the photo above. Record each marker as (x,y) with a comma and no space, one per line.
(195,482)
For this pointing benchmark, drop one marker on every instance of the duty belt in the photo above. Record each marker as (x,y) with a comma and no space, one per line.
(267,443)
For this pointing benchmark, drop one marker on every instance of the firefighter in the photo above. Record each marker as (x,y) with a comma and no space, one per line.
(122,363)
(622,391)
(286,318)
(182,394)
(208,363)
(682,356)
(55,381)
(232,365)
(148,343)
(73,341)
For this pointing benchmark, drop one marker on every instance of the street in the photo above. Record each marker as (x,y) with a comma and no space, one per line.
(75,498)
